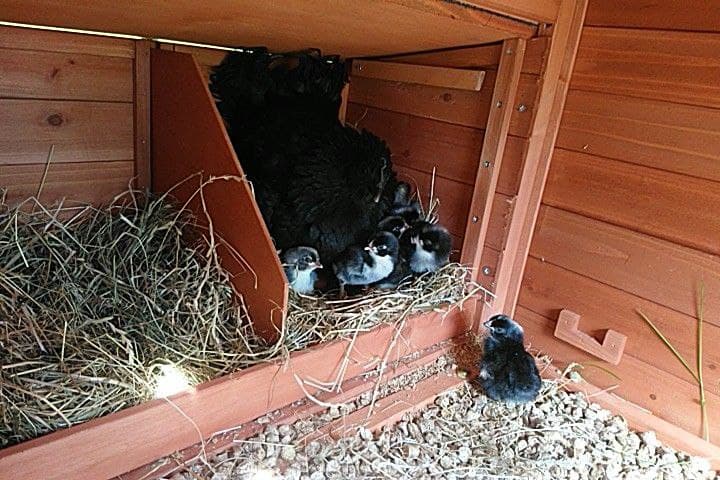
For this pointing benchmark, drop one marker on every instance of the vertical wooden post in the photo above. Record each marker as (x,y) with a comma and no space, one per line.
(493,148)
(545,125)
(142,114)
(344,103)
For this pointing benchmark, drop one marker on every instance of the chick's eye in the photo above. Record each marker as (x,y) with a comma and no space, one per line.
(307,259)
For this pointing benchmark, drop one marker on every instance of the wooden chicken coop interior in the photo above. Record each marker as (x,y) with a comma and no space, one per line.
(573,145)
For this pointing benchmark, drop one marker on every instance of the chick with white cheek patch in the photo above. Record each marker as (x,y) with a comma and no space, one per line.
(363,266)
(426,247)
(300,265)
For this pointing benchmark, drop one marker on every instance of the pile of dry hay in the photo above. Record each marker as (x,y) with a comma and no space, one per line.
(94,302)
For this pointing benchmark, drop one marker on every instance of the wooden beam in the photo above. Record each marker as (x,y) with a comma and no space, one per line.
(143,174)
(420,74)
(342,112)
(491,155)
(544,129)
(533,10)
(107,447)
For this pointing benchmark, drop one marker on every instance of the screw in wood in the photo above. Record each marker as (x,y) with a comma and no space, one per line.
(498,104)
(475,219)
(486,164)
(522,108)
(486,270)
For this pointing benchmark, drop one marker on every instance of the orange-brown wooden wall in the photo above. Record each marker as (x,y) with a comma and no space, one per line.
(428,127)
(72,91)
(631,214)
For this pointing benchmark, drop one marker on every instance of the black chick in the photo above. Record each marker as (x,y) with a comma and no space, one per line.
(394,224)
(300,264)
(368,265)
(404,206)
(507,372)
(426,247)
(317,182)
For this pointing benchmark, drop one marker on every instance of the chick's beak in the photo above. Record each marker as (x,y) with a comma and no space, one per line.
(316,265)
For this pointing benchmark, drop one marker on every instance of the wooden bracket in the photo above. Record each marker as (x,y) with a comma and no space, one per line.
(420,74)
(611,349)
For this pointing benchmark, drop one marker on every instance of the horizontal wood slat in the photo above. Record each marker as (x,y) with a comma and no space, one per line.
(80,131)
(647,267)
(454,78)
(454,197)
(673,66)
(483,56)
(665,395)
(674,207)
(91,182)
(678,138)
(547,289)
(49,41)
(697,15)
(65,76)
(453,106)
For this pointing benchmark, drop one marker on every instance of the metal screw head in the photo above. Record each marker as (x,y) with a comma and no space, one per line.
(498,104)
(486,164)
(486,270)
(522,107)
(475,219)
(509,51)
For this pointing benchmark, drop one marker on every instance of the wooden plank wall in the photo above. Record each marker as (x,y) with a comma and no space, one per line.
(428,127)
(75,92)
(631,214)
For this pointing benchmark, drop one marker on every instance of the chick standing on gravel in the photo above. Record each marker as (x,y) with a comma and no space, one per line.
(507,371)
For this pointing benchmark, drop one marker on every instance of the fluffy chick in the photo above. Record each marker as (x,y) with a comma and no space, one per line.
(507,372)
(300,264)
(394,224)
(426,247)
(368,265)
(403,205)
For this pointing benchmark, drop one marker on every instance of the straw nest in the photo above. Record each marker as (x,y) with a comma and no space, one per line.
(94,302)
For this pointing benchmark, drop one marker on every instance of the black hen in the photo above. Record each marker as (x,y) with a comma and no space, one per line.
(317,182)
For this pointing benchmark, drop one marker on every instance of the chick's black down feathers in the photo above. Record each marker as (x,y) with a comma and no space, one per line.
(317,182)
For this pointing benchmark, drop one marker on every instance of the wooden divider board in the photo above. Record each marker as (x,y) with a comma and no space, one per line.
(189,139)
(110,446)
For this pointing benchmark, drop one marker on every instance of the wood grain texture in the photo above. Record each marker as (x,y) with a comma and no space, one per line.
(142,134)
(665,395)
(184,147)
(73,183)
(548,288)
(533,10)
(80,131)
(694,15)
(454,197)
(647,267)
(421,143)
(483,56)
(454,78)
(492,153)
(544,128)
(164,430)
(673,66)
(678,138)
(371,27)
(65,76)
(500,217)
(460,107)
(663,204)
(63,42)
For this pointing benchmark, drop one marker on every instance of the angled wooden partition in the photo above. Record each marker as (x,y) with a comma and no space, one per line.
(190,146)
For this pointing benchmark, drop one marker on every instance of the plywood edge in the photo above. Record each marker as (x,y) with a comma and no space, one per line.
(528,10)
(642,420)
(420,74)
(107,447)
(198,147)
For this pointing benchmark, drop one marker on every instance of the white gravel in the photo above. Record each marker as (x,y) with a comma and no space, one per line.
(462,435)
